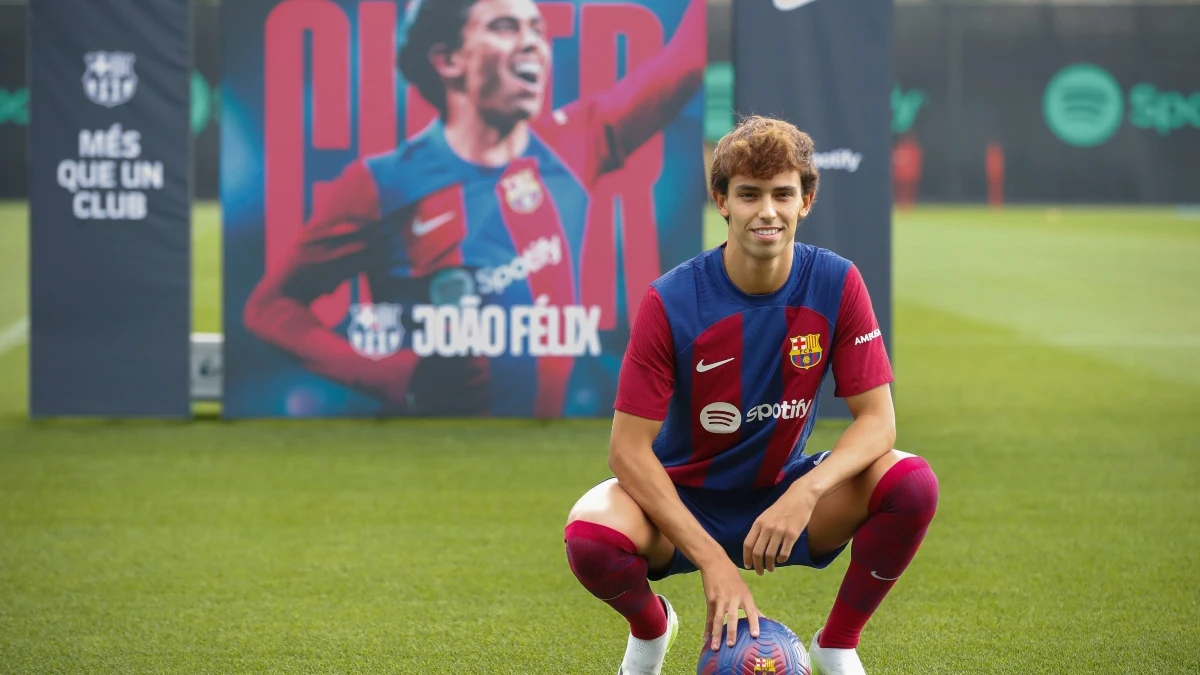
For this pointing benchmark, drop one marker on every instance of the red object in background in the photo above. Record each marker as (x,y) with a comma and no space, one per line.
(907,159)
(995,174)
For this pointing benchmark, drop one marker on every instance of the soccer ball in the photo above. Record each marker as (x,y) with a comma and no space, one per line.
(776,651)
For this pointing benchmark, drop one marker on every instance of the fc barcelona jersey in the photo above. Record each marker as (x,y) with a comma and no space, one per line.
(427,228)
(734,377)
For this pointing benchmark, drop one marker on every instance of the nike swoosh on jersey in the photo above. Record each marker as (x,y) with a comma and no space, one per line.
(704,367)
(423,227)
(786,5)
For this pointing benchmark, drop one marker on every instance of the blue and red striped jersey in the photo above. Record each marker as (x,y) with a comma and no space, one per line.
(509,235)
(734,377)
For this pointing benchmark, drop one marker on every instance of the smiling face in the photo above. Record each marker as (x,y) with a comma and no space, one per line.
(764,183)
(763,213)
(503,63)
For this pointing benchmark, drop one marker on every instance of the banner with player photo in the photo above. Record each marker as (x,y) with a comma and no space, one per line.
(450,207)
(109,208)
(830,74)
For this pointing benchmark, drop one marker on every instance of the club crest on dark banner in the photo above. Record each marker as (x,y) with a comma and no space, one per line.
(110,208)
(448,207)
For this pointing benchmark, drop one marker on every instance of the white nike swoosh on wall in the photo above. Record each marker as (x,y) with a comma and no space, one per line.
(786,5)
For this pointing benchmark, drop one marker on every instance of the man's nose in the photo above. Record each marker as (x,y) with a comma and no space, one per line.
(531,37)
(767,212)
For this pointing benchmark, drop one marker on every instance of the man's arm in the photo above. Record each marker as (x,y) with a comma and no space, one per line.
(595,135)
(638,471)
(339,242)
(644,390)
(648,98)
(862,373)
(870,436)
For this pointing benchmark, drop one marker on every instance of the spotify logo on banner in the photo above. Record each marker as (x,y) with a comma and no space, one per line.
(1083,105)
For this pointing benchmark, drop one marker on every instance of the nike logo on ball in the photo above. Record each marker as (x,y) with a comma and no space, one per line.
(705,367)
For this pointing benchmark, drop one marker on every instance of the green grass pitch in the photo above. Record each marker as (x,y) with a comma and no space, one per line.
(1048,365)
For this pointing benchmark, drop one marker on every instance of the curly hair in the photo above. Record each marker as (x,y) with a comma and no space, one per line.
(762,147)
(429,23)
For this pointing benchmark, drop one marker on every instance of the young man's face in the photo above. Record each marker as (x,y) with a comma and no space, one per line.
(504,60)
(763,214)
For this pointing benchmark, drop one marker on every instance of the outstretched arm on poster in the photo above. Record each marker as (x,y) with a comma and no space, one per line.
(335,246)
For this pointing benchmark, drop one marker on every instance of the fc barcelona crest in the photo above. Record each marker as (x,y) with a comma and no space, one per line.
(806,350)
(109,79)
(522,191)
(375,331)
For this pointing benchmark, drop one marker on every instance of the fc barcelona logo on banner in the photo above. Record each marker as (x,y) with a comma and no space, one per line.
(522,191)
(806,350)
(109,79)
(376,330)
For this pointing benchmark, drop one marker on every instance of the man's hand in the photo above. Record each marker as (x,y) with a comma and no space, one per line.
(775,531)
(726,593)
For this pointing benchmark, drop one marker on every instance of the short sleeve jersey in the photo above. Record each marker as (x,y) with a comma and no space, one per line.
(735,378)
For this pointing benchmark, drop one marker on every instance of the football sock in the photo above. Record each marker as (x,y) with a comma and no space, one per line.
(899,513)
(607,564)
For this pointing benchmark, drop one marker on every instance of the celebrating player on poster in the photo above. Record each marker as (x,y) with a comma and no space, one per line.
(472,232)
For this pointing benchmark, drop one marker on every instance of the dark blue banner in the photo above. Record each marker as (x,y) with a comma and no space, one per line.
(110,208)
(826,66)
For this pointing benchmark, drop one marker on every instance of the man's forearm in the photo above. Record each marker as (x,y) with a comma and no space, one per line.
(654,93)
(866,439)
(290,325)
(644,479)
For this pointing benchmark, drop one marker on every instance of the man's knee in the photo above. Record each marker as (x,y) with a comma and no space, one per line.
(609,507)
(839,514)
(878,474)
(909,487)
(597,504)
(919,486)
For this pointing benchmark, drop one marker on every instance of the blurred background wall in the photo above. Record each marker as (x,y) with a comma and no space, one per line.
(977,113)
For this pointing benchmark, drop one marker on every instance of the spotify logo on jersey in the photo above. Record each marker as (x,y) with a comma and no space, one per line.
(1083,105)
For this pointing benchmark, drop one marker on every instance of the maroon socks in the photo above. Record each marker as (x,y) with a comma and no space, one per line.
(899,513)
(607,564)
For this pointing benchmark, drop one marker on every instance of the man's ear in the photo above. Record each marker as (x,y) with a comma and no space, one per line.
(445,62)
(722,203)
(806,202)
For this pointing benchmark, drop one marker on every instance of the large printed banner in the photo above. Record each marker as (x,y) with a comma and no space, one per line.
(830,74)
(451,208)
(109,208)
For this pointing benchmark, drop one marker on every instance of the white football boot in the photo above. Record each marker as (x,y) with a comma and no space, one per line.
(833,661)
(645,657)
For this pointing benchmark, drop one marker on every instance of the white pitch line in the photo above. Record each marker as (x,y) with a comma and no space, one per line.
(1083,340)
(15,335)
(1151,341)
